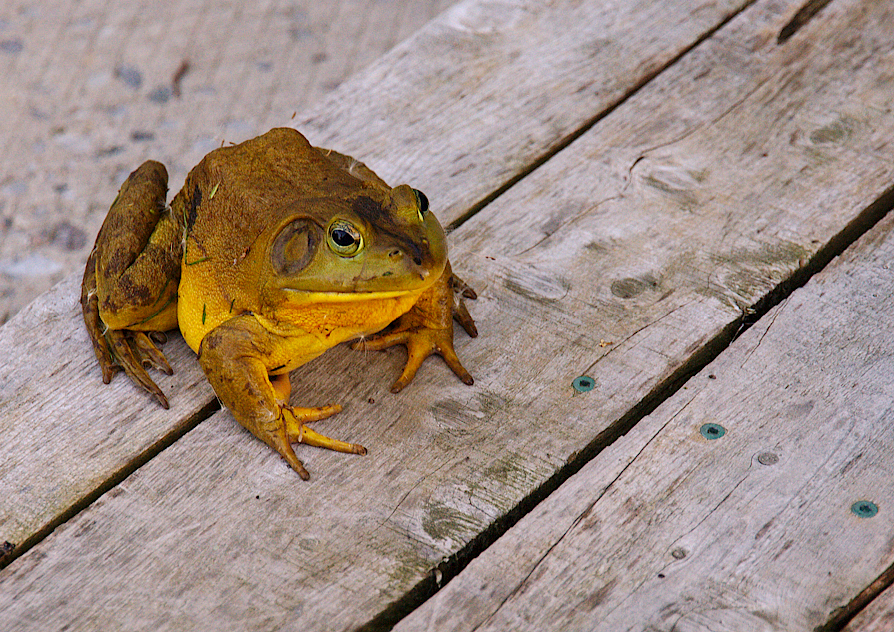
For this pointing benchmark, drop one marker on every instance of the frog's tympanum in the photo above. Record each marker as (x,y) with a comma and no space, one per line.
(273,252)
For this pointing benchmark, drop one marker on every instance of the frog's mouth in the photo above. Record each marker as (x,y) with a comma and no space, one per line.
(348,296)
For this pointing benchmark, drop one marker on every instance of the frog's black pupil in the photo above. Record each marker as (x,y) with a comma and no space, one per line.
(422,200)
(342,237)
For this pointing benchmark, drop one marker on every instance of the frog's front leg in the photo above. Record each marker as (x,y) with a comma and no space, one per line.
(235,356)
(130,282)
(428,329)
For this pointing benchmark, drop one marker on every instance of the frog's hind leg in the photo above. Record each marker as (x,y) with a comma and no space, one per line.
(130,281)
(233,357)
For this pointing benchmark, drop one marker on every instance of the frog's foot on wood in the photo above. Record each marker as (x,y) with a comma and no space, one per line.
(118,349)
(428,329)
(291,427)
(460,312)
(295,420)
(233,357)
(129,289)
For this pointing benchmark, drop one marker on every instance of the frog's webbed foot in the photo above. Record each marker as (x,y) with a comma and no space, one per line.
(121,349)
(427,329)
(294,422)
(420,343)
(133,351)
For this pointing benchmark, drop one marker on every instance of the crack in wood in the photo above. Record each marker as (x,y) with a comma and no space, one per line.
(801,17)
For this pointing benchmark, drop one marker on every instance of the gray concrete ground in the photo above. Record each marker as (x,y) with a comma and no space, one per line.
(91,89)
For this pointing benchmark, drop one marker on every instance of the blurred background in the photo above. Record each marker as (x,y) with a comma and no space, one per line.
(90,89)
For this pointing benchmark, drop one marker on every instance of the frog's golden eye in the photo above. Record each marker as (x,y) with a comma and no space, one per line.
(344,238)
(421,202)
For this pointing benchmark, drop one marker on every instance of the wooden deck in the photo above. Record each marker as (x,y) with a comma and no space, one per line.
(688,208)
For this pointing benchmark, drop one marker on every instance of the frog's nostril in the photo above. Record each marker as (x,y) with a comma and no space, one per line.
(394,254)
(417,261)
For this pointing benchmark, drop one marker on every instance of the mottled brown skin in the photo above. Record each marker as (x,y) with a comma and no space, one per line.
(272,252)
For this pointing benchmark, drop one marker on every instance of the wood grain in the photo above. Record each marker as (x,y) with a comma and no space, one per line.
(66,436)
(422,76)
(751,531)
(623,258)
(490,88)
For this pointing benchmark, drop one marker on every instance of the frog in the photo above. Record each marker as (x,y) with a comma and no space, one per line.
(273,252)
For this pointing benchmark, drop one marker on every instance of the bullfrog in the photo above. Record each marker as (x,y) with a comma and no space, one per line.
(273,252)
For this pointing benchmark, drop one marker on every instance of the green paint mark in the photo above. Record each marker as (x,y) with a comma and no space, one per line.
(864,508)
(233,302)
(204,312)
(213,191)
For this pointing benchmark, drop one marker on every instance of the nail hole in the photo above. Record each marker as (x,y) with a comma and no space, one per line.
(583,383)
(767,458)
(864,508)
(712,431)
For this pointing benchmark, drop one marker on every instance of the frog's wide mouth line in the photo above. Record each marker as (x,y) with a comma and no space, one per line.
(348,296)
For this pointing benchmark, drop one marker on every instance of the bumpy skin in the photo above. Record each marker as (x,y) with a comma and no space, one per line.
(273,252)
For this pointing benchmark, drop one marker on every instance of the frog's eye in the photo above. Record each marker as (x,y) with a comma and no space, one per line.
(421,202)
(344,238)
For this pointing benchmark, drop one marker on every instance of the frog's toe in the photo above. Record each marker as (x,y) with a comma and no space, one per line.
(132,352)
(463,317)
(420,343)
(296,420)
(461,287)
(150,355)
(294,429)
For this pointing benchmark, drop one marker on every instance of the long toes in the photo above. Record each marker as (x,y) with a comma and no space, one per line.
(450,357)
(462,316)
(462,287)
(406,377)
(309,436)
(133,366)
(150,354)
(296,430)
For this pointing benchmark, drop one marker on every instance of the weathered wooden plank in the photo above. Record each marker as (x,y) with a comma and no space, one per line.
(492,46)
(878,616)
(635,235)
(758,529)
(501,85)
(65,436)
